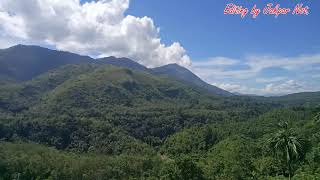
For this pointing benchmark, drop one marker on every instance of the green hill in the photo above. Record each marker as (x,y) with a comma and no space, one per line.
(87,121)
(144,106)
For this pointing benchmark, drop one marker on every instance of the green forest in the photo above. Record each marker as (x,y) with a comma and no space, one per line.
(91,121)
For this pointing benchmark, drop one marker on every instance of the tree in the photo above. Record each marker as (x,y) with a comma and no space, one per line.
(189,169)
(285,144)
(230,159)
(317,118)
(182,168)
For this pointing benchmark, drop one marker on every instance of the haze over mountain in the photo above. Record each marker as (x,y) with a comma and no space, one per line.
(23,62)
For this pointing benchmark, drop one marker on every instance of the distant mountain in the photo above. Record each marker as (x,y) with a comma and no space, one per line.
(183,74)
(23,63)
(241,94)
(298,99)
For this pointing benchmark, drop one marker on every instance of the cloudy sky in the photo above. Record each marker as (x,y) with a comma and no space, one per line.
(265,56)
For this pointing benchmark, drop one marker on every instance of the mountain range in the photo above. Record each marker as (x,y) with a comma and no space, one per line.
(21,63)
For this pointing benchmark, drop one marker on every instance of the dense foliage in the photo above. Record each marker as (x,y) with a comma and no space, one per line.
(102,122)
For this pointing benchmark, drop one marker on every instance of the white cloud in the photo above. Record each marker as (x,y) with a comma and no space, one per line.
(272,89)
(216,61)
(12,25)
(258,63)
(222,73)
(254,65)
(94,28)
(287,87)
(249,73)
(270,80)
(232,87)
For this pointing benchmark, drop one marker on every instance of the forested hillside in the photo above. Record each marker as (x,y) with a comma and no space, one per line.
(146,107)
(217,151)
(95,121)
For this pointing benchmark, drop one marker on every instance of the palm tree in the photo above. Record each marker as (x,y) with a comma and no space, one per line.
(288,146)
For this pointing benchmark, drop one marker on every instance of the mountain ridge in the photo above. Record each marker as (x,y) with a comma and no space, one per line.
(24,62)
(183,74)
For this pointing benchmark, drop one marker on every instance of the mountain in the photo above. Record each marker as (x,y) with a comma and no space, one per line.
(144,106)
(299,99)
(16,97)
(25,62)
(103,107)
(110,85)
(124,63)
(242,94)
(21,63)
(183,74)
(172,70)
(100,121)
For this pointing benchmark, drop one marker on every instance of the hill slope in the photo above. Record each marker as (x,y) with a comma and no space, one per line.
(183,74)
(144,106)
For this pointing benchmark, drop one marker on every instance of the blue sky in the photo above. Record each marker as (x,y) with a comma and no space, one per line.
(206,33)
(266,55)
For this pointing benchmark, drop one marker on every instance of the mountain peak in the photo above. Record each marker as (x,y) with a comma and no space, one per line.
(23,46)
(19,45)
(24,62)
(174,65)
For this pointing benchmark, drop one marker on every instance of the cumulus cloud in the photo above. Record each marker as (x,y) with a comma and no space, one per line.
(98,28)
